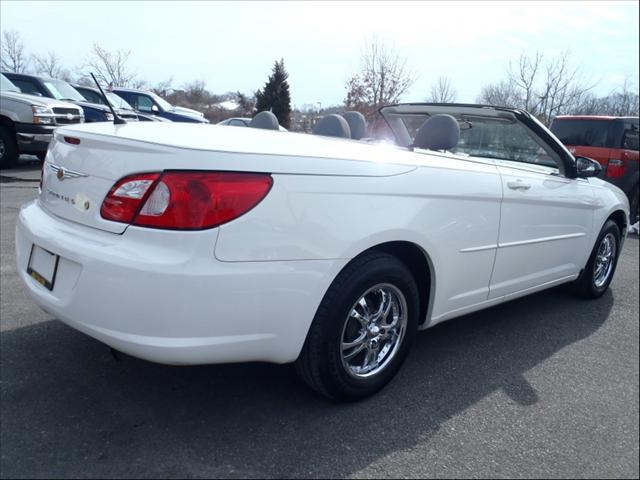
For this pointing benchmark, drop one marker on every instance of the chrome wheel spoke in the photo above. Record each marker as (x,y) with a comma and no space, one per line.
(385,312)
(604,261)
(370,360)
(365,307)
(387,329)
(356,351)
(383,308)
(362,320)
(358,341)
(377,342)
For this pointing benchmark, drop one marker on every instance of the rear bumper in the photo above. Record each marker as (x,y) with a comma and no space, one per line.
(163,297)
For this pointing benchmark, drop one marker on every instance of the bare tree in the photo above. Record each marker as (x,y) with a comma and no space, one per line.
(138,83)
(50,65)
(524,77)
(196,92)
(382,79)
(162,88)
(442,91)
(111,67)
(623,101)
(502,94)
(12,54)
(561,89)
(543,88)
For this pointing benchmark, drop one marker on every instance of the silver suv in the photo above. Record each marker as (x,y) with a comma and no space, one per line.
(27,122)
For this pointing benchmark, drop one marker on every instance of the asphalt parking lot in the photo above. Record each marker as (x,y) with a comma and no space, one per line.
(545,386)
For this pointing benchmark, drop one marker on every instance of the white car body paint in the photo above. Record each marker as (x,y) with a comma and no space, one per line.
(249,289)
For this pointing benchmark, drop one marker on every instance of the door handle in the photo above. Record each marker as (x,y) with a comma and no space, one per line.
(518,185)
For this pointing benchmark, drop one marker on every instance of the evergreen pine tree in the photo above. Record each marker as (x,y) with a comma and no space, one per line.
(275,95)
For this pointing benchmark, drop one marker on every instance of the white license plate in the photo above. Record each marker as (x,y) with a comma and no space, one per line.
(43,266)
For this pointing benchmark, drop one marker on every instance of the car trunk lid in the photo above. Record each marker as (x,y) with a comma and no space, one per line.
(84,162)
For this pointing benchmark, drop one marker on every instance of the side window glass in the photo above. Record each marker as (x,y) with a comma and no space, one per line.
(630,139)
(503,140)
(144,103)
(93,97)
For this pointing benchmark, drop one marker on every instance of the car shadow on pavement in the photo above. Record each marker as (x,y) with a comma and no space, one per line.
(69,409)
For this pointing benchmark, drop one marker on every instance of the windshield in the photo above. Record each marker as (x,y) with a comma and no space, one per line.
(7,86)
(117,101)
(62,90)
(484,132)
(164,105)
(583,132)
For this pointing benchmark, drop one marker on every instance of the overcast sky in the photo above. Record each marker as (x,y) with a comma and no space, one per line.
(232,45)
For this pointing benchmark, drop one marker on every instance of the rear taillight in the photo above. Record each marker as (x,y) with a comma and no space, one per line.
(615,168)
(125,198)
(184,200)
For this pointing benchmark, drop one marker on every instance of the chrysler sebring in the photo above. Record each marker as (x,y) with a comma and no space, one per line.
(191,244)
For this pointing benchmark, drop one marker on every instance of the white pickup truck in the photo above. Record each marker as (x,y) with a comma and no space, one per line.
(27,122)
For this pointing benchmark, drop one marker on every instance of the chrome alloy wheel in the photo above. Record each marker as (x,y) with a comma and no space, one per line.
(373,331)
(605,259)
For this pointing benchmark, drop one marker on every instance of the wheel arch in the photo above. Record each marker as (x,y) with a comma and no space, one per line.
(8,123)
(420,264)
(620,218)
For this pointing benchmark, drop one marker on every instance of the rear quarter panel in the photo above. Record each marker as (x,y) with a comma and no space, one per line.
(450,208)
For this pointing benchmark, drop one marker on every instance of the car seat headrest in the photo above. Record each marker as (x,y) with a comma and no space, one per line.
(439,132)
(266,120)
(332,126)
(357,124)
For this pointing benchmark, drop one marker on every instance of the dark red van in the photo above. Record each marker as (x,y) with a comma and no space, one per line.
(612,141)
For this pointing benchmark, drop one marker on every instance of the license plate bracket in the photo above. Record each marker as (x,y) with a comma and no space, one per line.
(43,266)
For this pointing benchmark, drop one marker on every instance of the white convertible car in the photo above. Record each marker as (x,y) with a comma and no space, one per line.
(189,244)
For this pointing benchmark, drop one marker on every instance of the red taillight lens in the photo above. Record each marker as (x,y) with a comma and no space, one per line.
(185,200)
(615,168)
(126,197)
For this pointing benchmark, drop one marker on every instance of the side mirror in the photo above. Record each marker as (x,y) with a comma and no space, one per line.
(587,167)
(154,108)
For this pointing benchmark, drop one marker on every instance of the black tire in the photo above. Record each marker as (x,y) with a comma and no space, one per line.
(8,148)
(321,363)
(586,285)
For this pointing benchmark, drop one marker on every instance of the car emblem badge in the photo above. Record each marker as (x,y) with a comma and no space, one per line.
(62,173)
(69,116)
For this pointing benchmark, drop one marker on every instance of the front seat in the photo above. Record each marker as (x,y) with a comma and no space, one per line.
(266,120)
(439,132)
(357,124)
(332,126)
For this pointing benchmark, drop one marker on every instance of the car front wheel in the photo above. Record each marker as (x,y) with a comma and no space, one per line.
(362,330)
(598,273)
(8,148)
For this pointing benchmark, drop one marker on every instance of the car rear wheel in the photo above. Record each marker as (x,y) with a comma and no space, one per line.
(597,275)
(8,149)
(362,330)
